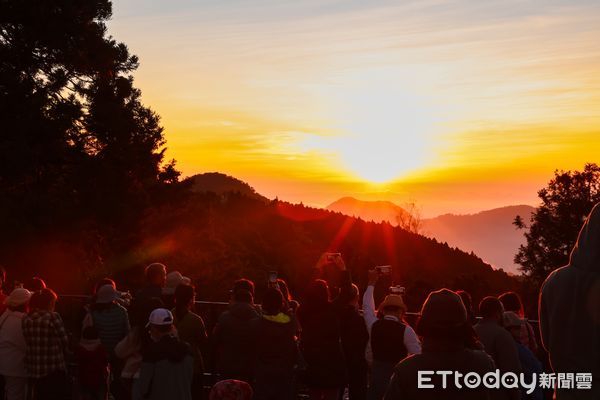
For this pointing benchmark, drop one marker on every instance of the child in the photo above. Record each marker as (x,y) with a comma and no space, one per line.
(93,369)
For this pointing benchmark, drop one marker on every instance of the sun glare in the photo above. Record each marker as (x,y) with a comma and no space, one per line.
(386,133)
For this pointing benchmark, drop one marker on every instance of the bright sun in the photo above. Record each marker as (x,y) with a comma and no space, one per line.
(386,133)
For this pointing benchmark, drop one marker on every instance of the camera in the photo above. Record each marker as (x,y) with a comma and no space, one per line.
(384,269)
(272,276)
(331,257)
(397,290)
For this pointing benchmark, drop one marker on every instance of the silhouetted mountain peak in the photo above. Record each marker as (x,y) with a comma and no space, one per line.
(220,183)
(378,210)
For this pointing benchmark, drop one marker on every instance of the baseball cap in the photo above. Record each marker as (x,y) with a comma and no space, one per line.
(160,317)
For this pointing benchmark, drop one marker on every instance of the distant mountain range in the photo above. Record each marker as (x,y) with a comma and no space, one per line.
(489,234)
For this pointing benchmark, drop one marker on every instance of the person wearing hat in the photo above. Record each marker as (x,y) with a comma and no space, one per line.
(111,320)
(167,363)
(449,344)
(391,339)
(13,346)
(109,317)
(390,328)
(529,363)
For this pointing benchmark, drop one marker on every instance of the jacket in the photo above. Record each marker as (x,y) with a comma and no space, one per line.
(439,357)
(92,363)
(112,324)
(235,341)
(190,329)
(569,310)
(129,349)
(12,344)
(167,370)
(47,343)
(501,346)
(276,346)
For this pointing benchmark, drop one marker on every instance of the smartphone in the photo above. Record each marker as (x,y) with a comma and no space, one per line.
(272,276)
(331,257)
(397,290)
(384,269)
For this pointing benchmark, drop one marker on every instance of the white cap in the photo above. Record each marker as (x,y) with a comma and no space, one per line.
(18,297)
(161,317)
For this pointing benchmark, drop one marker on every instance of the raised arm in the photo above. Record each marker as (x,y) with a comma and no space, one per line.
(369,313)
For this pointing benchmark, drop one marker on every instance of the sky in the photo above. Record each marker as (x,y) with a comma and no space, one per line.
(457,106)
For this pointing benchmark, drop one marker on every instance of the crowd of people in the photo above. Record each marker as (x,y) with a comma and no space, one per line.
(153,345)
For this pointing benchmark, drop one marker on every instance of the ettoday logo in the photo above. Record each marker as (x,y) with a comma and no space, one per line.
(508,380)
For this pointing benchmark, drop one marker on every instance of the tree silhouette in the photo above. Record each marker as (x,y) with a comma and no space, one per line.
(554,226)
(76,142)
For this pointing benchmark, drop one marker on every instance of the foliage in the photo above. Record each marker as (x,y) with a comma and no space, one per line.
(554,226)
(78,150)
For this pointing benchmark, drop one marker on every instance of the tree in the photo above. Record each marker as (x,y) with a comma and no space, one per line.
(75,142)
(78,149)
(410,218)
(555,224)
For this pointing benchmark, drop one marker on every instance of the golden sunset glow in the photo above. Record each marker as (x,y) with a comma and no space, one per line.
(459,106)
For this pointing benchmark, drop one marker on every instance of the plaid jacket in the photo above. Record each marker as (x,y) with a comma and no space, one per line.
(47,342)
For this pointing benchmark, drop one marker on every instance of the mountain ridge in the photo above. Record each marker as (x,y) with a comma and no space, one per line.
(488,233)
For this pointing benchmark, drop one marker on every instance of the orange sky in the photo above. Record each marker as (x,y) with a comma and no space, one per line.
(458,106)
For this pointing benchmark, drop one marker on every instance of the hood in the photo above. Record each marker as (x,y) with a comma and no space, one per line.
(586,253)
(167,348)
(243,311)
(280,318)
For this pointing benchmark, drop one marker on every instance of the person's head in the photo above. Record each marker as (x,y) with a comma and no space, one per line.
(104,282)
(156,274)
(243,284)
(18,300)
(491,309)
(44,300)
(317,294)
(89,333)
(272,301)
(106,294)
(392,305)
(513,324)
(511,301)
(242,296)
(184,296)
(174,279)
(444,318)
(466,299)
(160,323)
(35,284)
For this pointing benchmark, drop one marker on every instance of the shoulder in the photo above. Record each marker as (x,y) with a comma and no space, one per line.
(480,360)
(554,278)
